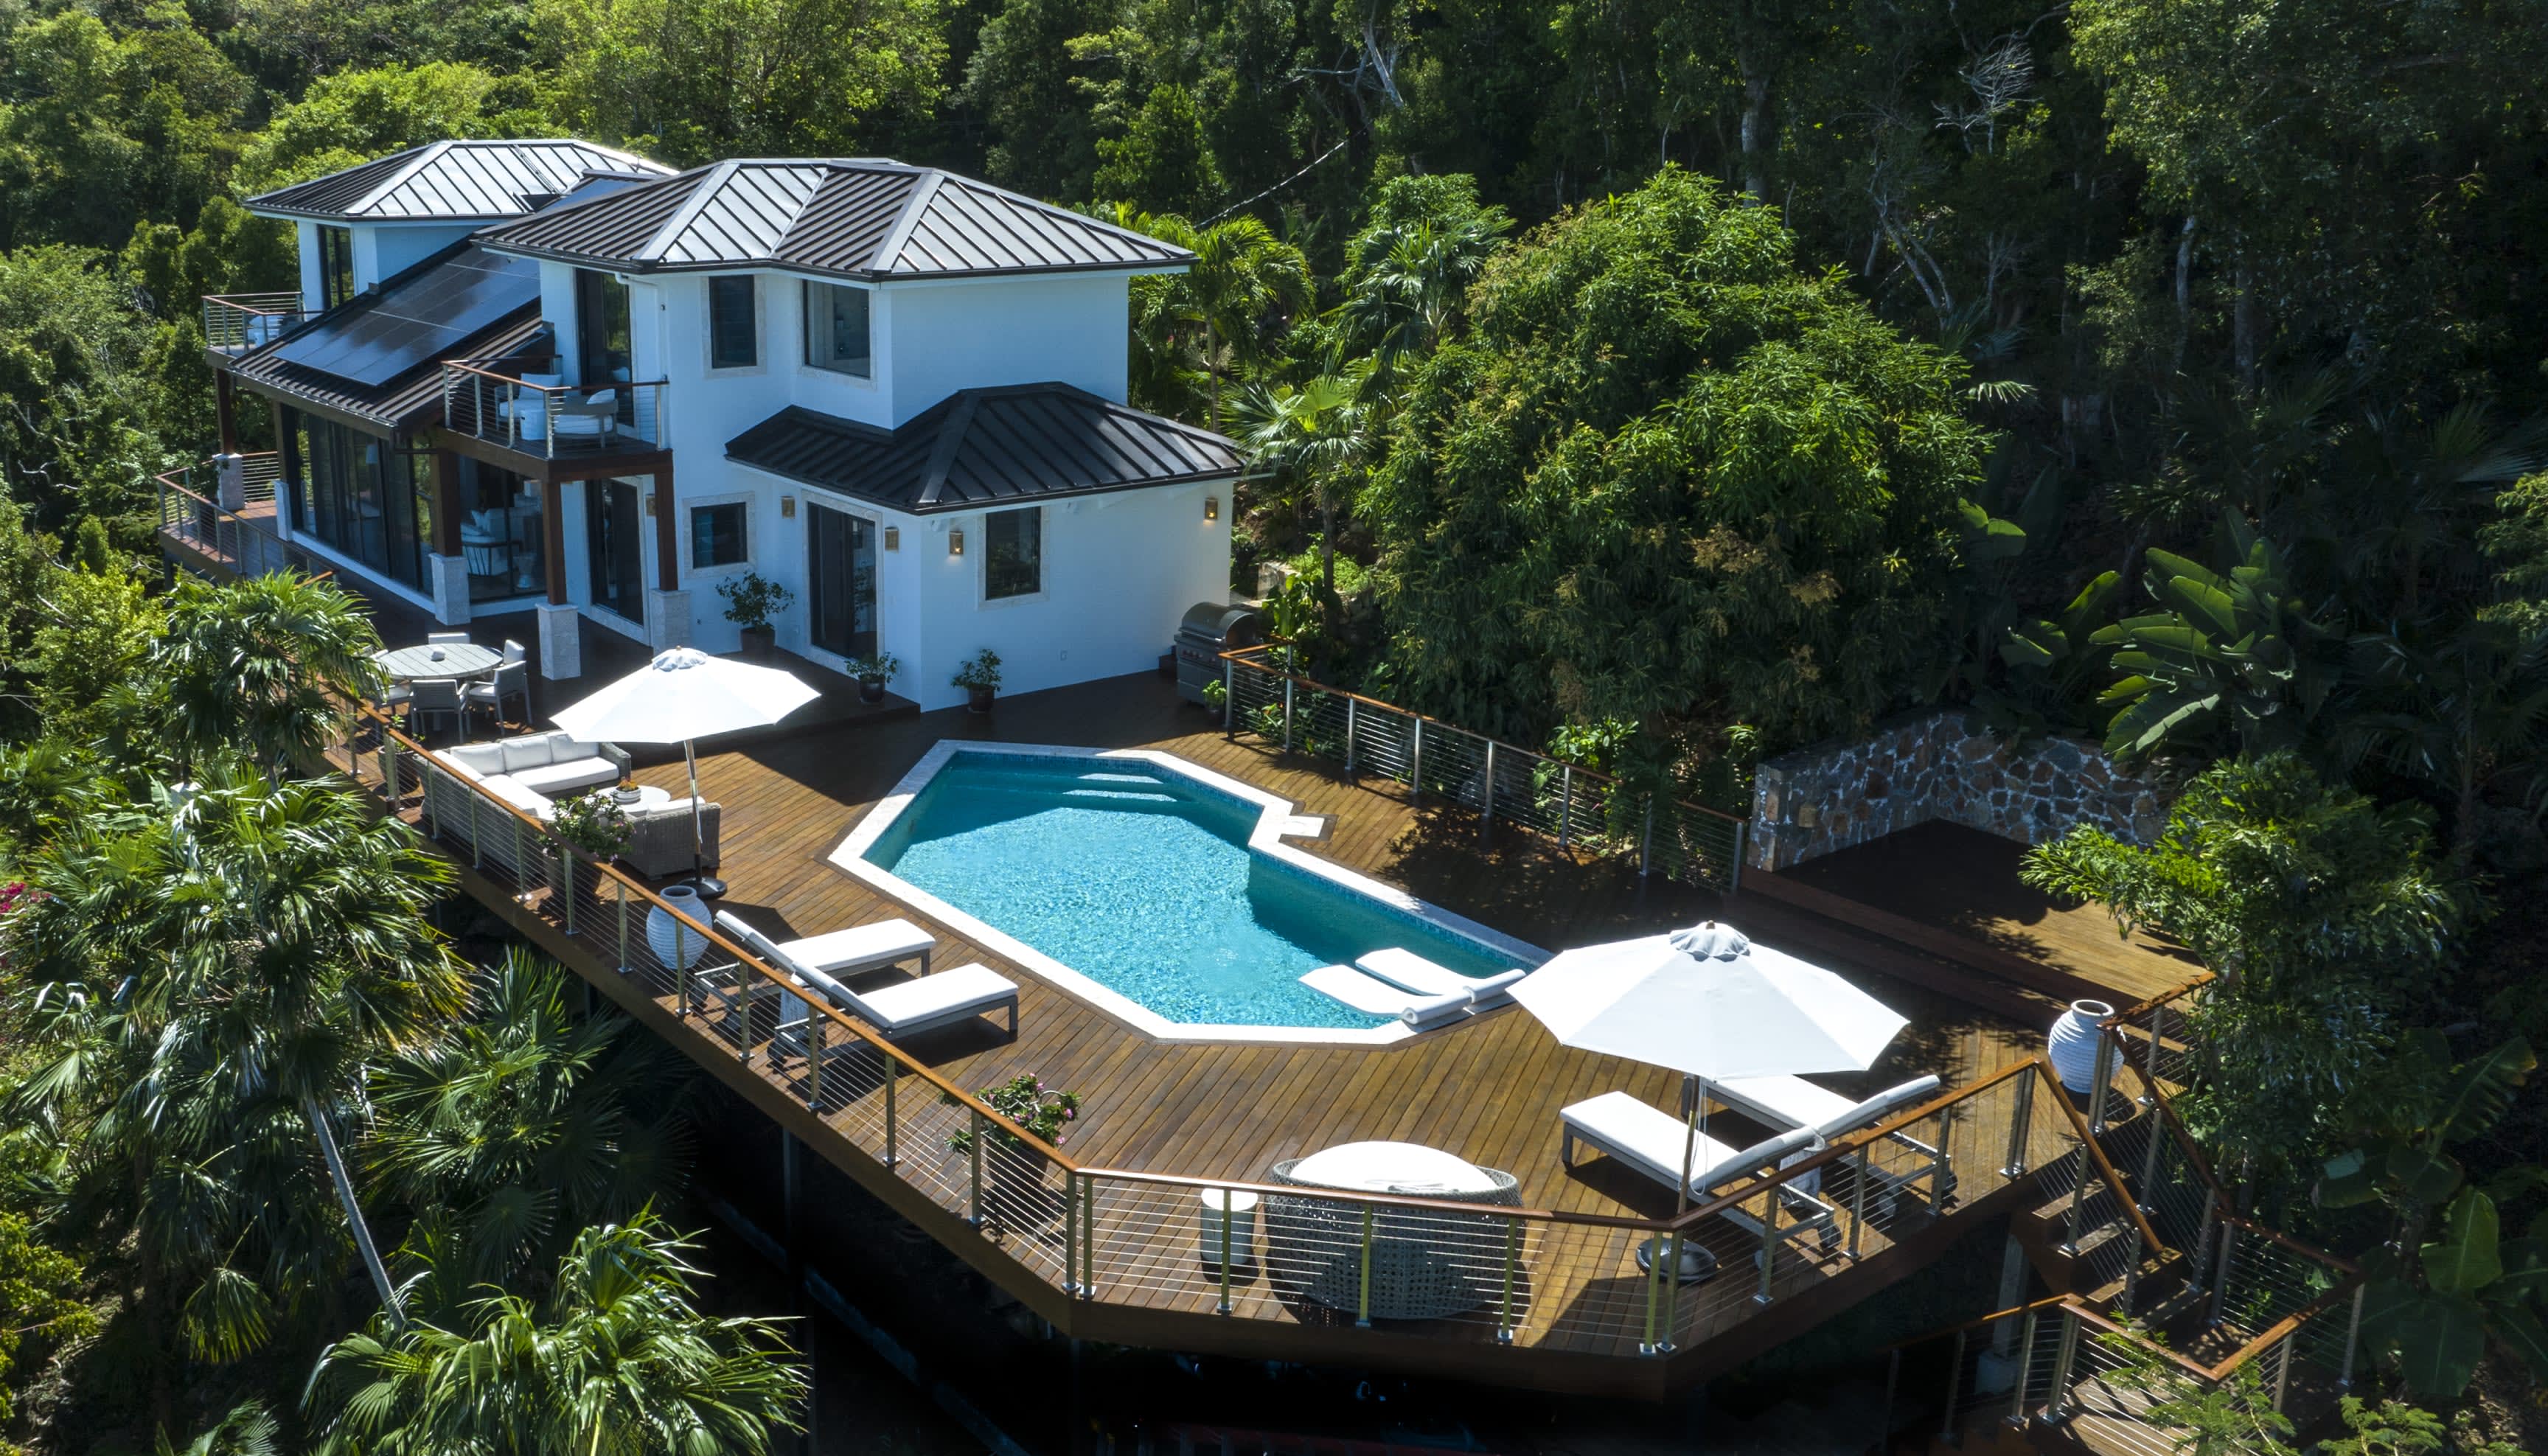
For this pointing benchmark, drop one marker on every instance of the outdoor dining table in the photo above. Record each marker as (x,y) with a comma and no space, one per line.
(438,660)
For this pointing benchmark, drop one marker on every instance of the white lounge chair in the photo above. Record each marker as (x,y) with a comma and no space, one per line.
(1794,1102)
(905,1010)
(841,951)
(1374,996)
(1652,1144)
(1408,972)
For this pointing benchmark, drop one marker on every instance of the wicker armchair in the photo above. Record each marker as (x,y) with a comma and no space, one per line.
(659,839)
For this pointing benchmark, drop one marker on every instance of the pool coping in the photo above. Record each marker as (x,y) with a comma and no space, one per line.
(1276,817)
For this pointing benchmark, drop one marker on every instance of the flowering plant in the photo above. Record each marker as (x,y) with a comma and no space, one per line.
(593,823)
(1026,1100)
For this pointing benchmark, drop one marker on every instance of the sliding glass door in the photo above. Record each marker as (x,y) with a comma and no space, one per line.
(840,577)
(359,495)
(610,538)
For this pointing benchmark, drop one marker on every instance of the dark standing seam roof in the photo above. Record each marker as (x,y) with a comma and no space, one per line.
(461,181)
(986,447)
(860,218)
(414,396)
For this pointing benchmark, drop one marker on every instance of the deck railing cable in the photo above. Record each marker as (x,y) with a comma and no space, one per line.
(198,522)
(1570,808)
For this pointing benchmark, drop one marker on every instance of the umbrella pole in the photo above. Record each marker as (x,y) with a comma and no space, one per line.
(709,886)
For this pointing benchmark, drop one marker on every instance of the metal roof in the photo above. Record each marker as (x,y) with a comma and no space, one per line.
(987,447)
(857,217)
(451,181)
(411,395)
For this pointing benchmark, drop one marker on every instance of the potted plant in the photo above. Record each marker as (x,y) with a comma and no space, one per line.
(979,677)
(593,823)
(751,600)
(1216,698)
(872,674)
(1012,1171)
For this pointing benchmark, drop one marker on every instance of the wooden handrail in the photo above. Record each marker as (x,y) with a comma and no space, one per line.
(2148,1004)
(2114,1180)
(2282,1328)
(1247,654)
(812,998)
(1993,1317)
(2071,1305)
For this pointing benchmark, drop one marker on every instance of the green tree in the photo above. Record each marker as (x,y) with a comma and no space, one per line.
(98,629)
(1408,271)
(265,666)
(40,1295)
(616,1361)
(75,438)
(354,116)
(1161,163)
(1318,439)
(1667,478)
(250,1429)
(1220,321)
(2325,920)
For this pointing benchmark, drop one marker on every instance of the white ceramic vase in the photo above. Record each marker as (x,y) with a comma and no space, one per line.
(2072,1045)
(674,944)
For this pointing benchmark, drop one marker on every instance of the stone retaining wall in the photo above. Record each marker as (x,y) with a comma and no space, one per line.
(1914,770)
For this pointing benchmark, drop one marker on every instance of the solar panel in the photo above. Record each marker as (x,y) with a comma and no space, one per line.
(419,320)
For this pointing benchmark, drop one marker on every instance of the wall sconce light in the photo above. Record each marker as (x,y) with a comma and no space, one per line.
(786,507)
(893,538)
(955,542)
(1211,508)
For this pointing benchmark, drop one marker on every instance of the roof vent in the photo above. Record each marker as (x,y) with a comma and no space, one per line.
(532,202)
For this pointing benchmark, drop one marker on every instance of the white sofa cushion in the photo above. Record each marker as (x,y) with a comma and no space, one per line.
(521,796)
(477,759)
(569,775)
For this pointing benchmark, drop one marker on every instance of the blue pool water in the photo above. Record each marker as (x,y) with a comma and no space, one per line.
(1141,880)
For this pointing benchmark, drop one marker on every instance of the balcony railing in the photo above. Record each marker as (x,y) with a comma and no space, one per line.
(509,404)
(239,535)
(235,323)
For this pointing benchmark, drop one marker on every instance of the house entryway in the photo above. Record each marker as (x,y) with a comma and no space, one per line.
(840,573)
(615,549)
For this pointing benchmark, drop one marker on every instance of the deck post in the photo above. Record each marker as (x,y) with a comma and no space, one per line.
(2020,1123)
(566,877)
(1225,1251)
(1349,735)
(2063,1354)
(523,886)
(2147,1202)
(1362,1299)
(1088,1239)
(2150,1065)
(1070,1231)
(2025,1369)
(1646,842)
(1512,1247)
(2078,1203)
(2220,1272)
(622,887)
(2352,1332)
(1955,1388)
(891,1157)
(1653,1251)
(2131,1271)
(744,988)
(1671,1294)
(1857,1202)
(1416,763)
(1229,699)
(974,1146)
(815,1028)
(1487,812)
(1769,1246)
(1287,712)
(1565,806)
(2101,1080)
(2283,1368)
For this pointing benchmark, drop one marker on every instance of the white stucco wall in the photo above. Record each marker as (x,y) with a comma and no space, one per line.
(981,332)
(382,250)
(314,288)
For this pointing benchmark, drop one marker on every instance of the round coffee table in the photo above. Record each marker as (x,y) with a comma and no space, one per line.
(439,659)
(646,796)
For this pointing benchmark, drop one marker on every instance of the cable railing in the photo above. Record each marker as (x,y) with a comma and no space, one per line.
(235,323)
(506,403)
(1577,810)
(1234,1249)
(198,522)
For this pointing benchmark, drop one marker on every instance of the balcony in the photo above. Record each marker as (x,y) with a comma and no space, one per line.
(223,522)
(235,323)
(520,408)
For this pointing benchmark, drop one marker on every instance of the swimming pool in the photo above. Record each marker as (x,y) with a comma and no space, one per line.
(1153,887)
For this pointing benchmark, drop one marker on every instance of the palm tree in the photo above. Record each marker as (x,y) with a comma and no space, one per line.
(248,1431)
(1405,282)
(269,666)
(615,1361)
(1316,435)
(209,985)
(519,1126)
(1226,314)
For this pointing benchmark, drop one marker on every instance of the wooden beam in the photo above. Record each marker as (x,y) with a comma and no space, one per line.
(446,503)
(553,537)
(668,558)
(225,409)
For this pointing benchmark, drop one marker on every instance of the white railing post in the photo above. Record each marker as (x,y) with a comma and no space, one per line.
(2065,1354)
(1565,806)
(1486,807)
(1646,842)
(1229,699)
(2352,1332)
(1349,736)
(1416,763)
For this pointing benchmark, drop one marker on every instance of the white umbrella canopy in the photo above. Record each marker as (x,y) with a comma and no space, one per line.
(1733,1010)
(683,696)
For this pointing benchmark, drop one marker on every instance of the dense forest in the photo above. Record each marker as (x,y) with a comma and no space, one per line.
(1665,384)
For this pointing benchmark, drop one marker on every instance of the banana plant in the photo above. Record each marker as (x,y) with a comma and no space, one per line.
(2233,650)
(2432,1305)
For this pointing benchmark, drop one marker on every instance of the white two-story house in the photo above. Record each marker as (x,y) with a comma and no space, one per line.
(897,393)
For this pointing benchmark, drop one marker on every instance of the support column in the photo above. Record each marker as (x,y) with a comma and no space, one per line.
(225,409)
(561,645)
(288,453)
(446,565)
(667,607)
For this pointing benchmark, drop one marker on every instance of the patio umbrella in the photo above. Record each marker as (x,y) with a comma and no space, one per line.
(1707,1002)
(681,696)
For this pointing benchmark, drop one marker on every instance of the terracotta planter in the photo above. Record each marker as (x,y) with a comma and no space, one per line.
(759,639)
(871,690)
(978,699)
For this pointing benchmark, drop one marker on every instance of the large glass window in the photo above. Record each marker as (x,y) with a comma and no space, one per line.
(836,329)
(601,329)
(357,494)
(500,535)
(717,535)
(1013,553)
(335,265)
(734,328)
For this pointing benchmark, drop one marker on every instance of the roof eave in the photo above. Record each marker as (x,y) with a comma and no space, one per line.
(1075,493)
(800,270)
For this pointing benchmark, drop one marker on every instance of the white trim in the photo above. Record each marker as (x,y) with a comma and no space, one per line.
(983,601)
(708,367)
(1275,819)
(688,534)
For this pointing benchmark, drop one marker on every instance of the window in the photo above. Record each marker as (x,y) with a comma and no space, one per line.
(1013,553)
(335,265)
(601,329)
(734,334)
(717,536)
(836,329)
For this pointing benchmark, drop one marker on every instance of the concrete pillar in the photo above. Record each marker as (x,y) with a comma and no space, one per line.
(229,471)
(561,648)
(667,619)
(447,582)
